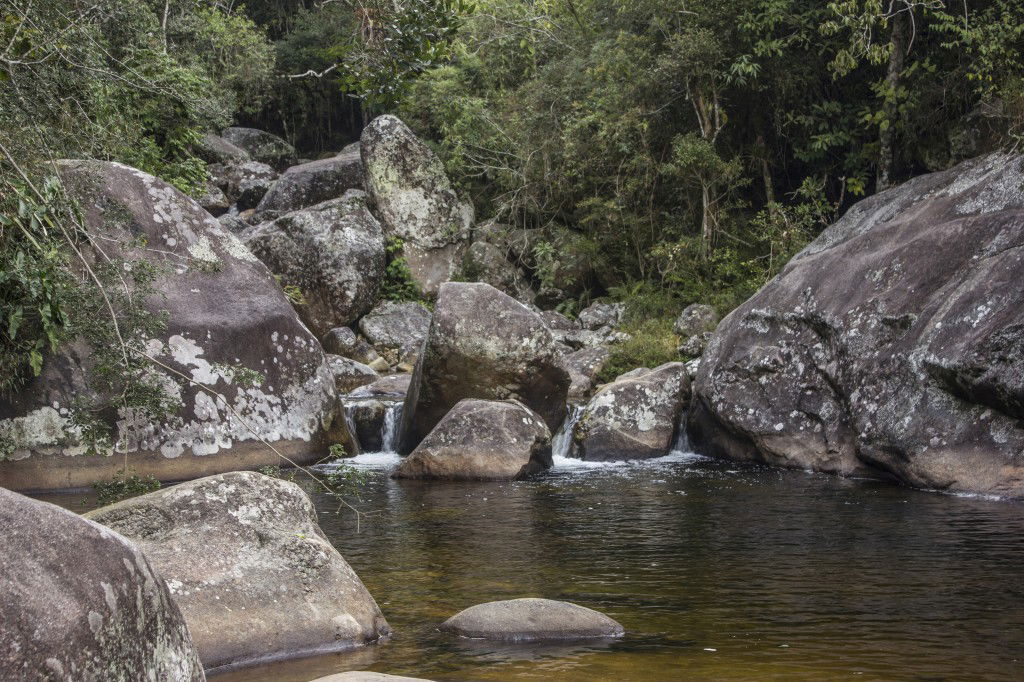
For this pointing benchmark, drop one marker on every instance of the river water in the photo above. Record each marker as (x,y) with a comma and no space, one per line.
(718,571)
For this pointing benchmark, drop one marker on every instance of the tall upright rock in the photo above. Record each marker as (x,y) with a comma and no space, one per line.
(226,319)
(415,201)
(483,344)
(892,345)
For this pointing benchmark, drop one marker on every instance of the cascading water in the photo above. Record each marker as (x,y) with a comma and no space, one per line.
(389,427)
(561,444)
(682,442)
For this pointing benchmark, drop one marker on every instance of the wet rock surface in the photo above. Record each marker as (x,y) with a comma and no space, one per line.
(483,344)
(531,620)
(249,567)
(891,345)
(225,314)
(481,440)
(79,602)
(415,201)
(333,252)
(634,417)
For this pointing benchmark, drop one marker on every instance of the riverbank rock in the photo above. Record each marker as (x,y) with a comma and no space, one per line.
(527,620)
(892,345)
(215,149)
(333,252)
(249,567)
(262,146)
(481,440)
(349,374)
(244,183)
(695,345)
(312,183)
(598,315)
(695,319)
(79,602)
(396,328)
(583,367)
(485,262)
(634,417)
(415,201)
(483,344)
(391,385)
(226,319)
(343,341)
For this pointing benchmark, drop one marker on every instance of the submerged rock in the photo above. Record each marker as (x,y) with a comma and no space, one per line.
(249,567)
(79,602)
(226,318)
(526,620)
(636,416)
(892,345)
(333,252)
(262,146)
(311,183)
(481,440)
(483,344)
(415,201)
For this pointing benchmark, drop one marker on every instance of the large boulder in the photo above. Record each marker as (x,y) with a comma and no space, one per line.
(80,602)
(252,572)
(485,262)
(599,315)
(243,183)
(333,252)
(634,417)
(892,345)
(481,440)
(583,367)
(243,366)
(215,149)
(483,344)
(262,146)
(349,374)
(312,183)
(415,201)
(695,319)
(397,327)
(525,620)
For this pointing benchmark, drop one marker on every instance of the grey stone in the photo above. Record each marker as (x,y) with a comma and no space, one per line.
(634,417)
(225,312)
(249,567)
(262,146)
(525,620)
(695,319)
(583,367)
(367,676)
(694,346)
(559,322)
(312,183)
(333,252)
(599,315)
(415,201)
(215,149)
(481,440)
(214,201)
(396,326)
(483,344)
(244,183)
(392,385)
(343,341)
(80,602)
(485,262)
(349,374)
(890,346)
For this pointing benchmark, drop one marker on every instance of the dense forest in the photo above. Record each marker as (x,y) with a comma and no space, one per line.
(671,152)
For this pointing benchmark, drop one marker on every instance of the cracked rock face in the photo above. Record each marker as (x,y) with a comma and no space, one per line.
(483,344)
(481,440)
(80,602)
(333,252)
(634,417)
(415,201)
(249,567)
(225,313)
(311,183)
(891,345)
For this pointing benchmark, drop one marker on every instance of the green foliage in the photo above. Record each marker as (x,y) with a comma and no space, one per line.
(124,485)
(285,474)
(652,344)
(398,284)
(345,480)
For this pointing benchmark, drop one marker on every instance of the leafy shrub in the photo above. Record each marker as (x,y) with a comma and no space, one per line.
(398,284)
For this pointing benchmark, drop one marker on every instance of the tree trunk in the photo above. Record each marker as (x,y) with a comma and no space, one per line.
(893,79)
(707,225)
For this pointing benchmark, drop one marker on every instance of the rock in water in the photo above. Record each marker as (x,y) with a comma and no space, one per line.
(79,602)
(481,440)
(415,201)
(367,676)
(483,344)
(263,147)
(249,567)
(225,314)
(333,252)
(525,620)
(311,183)
(893,344)
(636,416)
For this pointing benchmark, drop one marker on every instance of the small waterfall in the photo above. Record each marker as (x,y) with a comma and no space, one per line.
(561,443)
(389,428)
(682,442)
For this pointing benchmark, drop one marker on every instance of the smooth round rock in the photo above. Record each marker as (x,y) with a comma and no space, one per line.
(531,620)
(367,676)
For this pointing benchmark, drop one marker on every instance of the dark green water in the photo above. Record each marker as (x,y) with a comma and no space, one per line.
(717,571)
